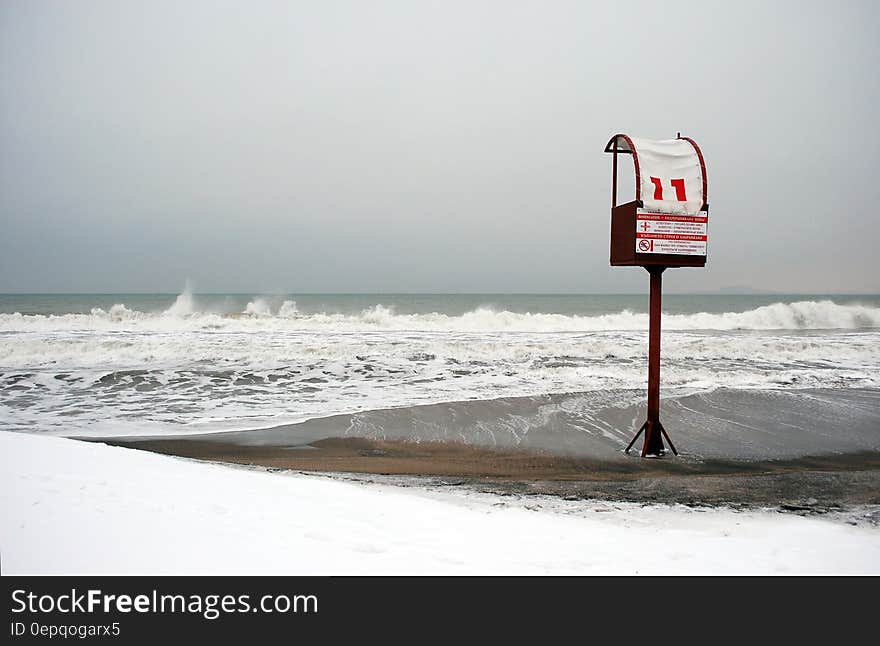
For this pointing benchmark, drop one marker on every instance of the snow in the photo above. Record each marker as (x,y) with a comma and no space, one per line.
(75,507)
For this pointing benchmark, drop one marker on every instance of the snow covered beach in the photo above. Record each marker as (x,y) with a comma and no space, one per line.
(74,507)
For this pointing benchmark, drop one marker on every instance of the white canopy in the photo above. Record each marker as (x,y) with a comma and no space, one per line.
(670,173)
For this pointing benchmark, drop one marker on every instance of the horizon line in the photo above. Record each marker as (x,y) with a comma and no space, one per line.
(720,292)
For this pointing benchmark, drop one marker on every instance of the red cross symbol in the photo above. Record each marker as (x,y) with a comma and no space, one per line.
(645,226)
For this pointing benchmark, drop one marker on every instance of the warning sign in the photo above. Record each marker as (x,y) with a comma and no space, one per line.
(684,235)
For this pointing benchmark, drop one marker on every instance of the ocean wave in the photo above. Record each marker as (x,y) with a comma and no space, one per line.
(118,370)
(183,305)
(76,350)
(259,314)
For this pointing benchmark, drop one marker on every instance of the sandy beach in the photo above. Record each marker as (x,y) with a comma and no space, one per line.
(754,449)
(84,507)
(811,484)
(736,447)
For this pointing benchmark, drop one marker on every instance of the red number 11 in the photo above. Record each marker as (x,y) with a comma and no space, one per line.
(677,184)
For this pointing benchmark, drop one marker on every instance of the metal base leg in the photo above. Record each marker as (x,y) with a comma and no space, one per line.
(654,434)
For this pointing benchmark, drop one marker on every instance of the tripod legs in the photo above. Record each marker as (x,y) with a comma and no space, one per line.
(654,434)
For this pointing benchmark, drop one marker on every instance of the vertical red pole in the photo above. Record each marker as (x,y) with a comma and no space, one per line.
(653,433)
(654,343)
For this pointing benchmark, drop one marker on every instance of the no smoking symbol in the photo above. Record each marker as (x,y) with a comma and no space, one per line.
(645,245)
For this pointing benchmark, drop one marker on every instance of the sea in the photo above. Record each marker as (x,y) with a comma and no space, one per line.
(108,365)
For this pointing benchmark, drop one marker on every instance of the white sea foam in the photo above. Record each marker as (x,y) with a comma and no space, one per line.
(288,310)
(117,313)
(801,315)
(258,307)
(119,370)
(183,305)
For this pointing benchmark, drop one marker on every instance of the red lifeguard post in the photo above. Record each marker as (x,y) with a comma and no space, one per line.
(665,226)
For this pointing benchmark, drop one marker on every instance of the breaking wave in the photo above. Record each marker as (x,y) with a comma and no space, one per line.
(259,312)
(117,370)
(183,305)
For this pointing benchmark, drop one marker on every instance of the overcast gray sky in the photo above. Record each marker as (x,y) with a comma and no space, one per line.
(426,146)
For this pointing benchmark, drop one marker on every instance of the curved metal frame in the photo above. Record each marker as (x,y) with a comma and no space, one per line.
(611,147)
(702,169)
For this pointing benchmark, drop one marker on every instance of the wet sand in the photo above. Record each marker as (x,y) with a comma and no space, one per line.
(766,448)
(812,484)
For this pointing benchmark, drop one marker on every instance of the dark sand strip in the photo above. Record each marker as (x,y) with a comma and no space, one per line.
(796,448)
(812,483)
